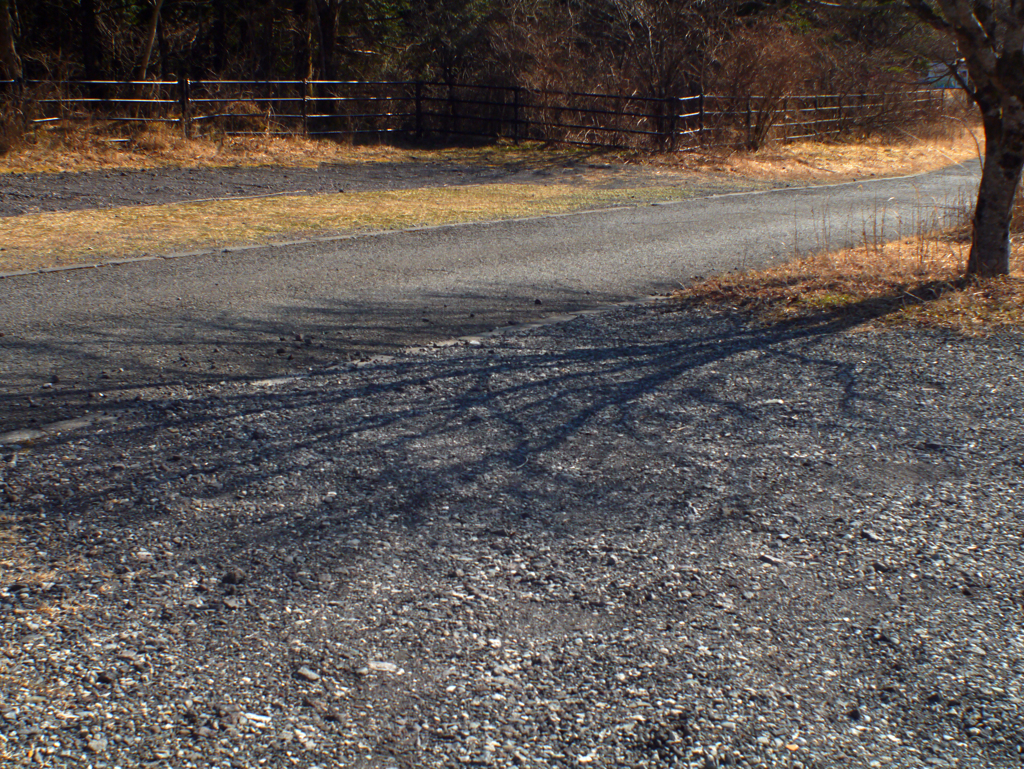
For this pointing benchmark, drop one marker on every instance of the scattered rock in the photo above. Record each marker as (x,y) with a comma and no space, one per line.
(306,674)
(527,565)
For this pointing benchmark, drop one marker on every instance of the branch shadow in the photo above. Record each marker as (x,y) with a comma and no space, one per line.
(550,433)
(103,363)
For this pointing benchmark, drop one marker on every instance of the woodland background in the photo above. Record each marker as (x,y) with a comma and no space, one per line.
(651,48)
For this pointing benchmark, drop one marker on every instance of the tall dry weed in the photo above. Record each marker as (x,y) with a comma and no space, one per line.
(917,279)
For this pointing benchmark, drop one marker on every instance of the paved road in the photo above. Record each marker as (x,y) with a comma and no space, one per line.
(98,337)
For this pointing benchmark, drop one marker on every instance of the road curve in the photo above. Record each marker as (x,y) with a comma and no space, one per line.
(95,338)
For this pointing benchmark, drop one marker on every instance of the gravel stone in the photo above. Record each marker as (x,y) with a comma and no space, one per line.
(641,538)
(307,675)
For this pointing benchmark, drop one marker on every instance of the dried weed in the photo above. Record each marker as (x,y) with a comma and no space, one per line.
(101,146)
(917,280)
(929,148)
(61,239)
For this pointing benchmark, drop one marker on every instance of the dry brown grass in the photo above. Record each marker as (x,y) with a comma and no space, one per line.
(98,147)
(38,241)
(917,280)
(929,148)
(104,146)
(61,239)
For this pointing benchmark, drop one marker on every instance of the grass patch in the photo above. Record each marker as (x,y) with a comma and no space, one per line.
(814,162)
(61,239)
(915,281)
(918,280)
(103,146)
(99,146)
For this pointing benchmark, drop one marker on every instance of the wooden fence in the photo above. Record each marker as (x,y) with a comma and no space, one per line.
(436,111)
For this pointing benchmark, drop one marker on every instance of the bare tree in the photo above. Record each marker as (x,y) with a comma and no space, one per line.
(990,37)
(326,17)
(147,50)
(90,40)
(762,65)
(9,61)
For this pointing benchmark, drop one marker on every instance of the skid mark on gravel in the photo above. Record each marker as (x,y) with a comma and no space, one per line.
(70,238)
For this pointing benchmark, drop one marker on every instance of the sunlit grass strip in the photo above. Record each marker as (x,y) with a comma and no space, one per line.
(44,240)
(101,145)
(916,280)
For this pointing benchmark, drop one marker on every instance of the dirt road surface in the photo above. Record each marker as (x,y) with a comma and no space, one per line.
(96,338)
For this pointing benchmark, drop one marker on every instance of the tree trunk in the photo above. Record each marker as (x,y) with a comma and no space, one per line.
(1000,177)
(147,52)
(327,31)
(90,40)
(9,61)
(303,11)
(220,36)
(165,52)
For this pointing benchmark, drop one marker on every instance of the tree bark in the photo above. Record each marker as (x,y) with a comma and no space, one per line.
(220,36)
(1000,178)
(303,11)
(9,60)
(327,33)
(990,37)
(90,40)
(147,52)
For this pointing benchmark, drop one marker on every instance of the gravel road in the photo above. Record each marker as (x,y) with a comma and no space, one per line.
(31,193)
(635,539)
(648,537)
(98,338)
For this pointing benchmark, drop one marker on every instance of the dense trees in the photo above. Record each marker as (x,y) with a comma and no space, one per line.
(10,64)
(654,47)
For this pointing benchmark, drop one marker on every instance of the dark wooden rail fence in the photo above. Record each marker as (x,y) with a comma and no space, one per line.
(425,110)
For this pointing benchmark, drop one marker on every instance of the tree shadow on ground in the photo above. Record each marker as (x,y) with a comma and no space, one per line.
(553,432)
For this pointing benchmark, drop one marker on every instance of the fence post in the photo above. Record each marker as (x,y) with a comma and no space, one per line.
(453,111)
(839,117)
(184,86)
(750,123)
(664,124)
(419,109)
(677,110)
(305,107)
(700,118)
(516,99)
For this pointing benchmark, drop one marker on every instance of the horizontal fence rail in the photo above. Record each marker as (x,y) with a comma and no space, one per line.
(425,110)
